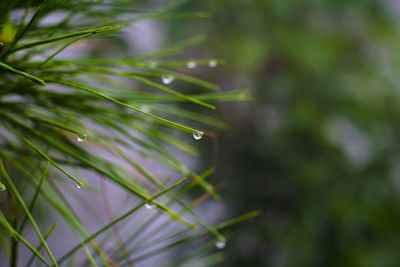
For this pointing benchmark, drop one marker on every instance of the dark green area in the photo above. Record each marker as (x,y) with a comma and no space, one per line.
(318,148)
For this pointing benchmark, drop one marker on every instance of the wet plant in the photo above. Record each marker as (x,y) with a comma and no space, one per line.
(108,116)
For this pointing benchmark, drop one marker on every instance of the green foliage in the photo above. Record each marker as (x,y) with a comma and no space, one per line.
(319,146)
(98,114)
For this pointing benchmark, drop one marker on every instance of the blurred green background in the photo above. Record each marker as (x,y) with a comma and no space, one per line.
(318,148)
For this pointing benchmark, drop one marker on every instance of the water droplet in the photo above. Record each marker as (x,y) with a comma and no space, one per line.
(79,185)
(81,138)
(191,64)
(2,187)
(149,206)
(167,79)
(220,243)
(197,135)
(212,63)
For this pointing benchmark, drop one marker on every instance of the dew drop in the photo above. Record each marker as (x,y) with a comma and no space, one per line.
(197,135)
(212,63)
(2,187)
(149,206)
(167,79)
(81,138)
(79,185)
(191,65)
(220,243)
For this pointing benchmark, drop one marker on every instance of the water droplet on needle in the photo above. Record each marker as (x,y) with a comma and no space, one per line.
(212,63)
(191,65)
(220,243)
(197,135)
(81,138)
(149,206)
(79,185)
(167,79)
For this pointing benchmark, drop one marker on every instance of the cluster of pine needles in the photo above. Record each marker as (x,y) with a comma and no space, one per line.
(62,118)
